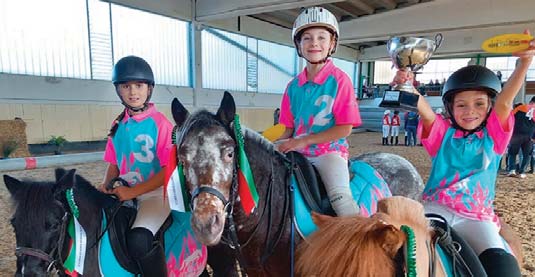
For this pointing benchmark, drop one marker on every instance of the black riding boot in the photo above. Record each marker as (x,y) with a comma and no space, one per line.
(391,140)
(497,262)
(406,141)
(153,264)
(396,140)
(147,252)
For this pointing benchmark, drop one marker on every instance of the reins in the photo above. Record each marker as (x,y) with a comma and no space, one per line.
(53,259)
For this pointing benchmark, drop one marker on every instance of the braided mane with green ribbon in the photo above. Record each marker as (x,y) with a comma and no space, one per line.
(410,251)
(246,184)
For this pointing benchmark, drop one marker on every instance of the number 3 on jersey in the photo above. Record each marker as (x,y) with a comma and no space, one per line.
(146,144)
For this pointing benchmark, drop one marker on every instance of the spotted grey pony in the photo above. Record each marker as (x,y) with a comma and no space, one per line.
(262,241)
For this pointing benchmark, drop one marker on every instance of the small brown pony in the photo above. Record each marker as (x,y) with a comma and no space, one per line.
(359,246)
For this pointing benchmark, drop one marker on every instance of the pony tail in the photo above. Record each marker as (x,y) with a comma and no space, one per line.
(116,124)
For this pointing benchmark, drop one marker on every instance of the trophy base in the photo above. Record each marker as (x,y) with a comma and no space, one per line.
(400,100)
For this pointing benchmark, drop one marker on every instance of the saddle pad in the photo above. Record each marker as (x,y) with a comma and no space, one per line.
(367,187)
(109,265)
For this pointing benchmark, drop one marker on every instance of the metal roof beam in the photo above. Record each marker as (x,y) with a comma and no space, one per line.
(437,16)
(208,10)
(388,4)
(362,6)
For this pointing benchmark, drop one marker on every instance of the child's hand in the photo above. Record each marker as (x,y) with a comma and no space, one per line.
(402,76)
(102,187)
(292,144)
(123,193)
(525,56)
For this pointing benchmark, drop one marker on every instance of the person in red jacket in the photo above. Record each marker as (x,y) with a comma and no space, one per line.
(394,133)
(386,127)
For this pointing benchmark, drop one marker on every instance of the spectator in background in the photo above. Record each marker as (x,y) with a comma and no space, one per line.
(499,75)
(386,126)
(276,115)
(521,139)
(411,124)
(394,133)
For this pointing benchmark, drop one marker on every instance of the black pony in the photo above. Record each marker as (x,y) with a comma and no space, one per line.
(262,242)
(43,223)
(41,217)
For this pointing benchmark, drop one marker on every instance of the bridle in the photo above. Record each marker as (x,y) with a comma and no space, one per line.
(54,259)
(403,263)
(230,225)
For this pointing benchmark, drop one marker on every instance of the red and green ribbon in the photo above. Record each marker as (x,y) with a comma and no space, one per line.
(246,185)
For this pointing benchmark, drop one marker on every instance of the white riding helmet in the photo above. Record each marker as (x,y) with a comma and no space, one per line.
(315,17)
(387,112)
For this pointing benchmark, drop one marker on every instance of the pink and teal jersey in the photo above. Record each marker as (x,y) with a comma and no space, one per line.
(464,169)
(141,145)
(311,107)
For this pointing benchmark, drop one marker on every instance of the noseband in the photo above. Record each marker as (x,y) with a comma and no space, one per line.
(212,191)
(53,259)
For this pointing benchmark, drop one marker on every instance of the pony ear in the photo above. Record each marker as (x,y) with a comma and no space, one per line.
(227,109)
(180,114)
(12,184)
(59,172)
(320,219)
(391,238)
(67,181)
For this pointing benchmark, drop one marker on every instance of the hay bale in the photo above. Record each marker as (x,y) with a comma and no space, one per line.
(13,135)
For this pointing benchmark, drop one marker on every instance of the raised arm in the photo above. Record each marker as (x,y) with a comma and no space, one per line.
(504,101)
(427,115)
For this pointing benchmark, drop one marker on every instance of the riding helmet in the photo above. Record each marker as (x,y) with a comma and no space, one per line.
(132,68)
(315,17)
(472,77)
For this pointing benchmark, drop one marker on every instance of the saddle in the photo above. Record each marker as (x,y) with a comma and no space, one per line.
(463,259)
(310,184)
(120,221)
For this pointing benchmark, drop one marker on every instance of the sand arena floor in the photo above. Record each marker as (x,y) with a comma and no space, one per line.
(515,200)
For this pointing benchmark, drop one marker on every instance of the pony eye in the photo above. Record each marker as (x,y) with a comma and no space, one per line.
(228,154)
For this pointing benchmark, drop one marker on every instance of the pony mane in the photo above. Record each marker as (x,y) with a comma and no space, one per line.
(88,191)
(29,203)
(405,210)
(354,244)
(360,246)
(200,117)
(260,141)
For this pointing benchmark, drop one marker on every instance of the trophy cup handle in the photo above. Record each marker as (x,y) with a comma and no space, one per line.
(438,40)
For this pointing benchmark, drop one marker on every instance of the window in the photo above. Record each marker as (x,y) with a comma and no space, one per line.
(44,38)
(66,38)
(506,65)
(236,62)
(224,61)
(160,40)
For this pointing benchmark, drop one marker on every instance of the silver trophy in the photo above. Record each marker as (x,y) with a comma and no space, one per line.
(410,53)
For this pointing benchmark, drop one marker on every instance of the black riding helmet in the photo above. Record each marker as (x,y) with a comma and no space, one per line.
(133,68)
(472,77)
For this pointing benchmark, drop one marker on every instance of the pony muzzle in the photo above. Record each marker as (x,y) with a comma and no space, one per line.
(208,220)
(208,228)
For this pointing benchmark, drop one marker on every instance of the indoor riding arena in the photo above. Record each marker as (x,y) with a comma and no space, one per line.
(58,102)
